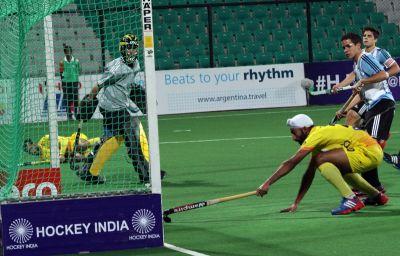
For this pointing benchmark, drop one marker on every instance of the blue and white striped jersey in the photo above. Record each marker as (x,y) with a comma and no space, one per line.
(382,56)
(365,67)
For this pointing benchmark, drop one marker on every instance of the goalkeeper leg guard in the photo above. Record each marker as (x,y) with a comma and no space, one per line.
(95,160)
(84,173)
(103,153)
(144,147)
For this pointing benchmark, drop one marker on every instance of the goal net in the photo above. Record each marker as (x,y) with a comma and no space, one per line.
(52,142)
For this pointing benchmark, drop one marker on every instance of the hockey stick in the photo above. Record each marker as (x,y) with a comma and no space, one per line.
(308,85)
(34,163)
(28,163)
(346,104)
(330,91)
(76,142)
(192,206)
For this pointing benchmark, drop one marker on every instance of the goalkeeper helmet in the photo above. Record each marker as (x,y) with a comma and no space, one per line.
(128,46)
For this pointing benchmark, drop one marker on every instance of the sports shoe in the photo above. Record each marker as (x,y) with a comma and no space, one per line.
(143,179)
(348,206)
(359,193)
(379,199)
(392,159)
(381,189)
(85,175)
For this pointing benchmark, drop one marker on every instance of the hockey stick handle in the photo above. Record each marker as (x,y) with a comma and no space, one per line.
(345,88)
(76,142)
(345,105)
(28,163)
(201,204)
(34,163)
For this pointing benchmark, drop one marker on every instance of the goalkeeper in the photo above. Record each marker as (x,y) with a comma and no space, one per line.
(65,146)
(120,114)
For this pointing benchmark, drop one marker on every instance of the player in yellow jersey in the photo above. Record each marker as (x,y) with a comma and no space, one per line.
(65,146)
(340,153)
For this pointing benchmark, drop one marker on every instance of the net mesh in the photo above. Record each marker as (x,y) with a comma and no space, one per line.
(42,84)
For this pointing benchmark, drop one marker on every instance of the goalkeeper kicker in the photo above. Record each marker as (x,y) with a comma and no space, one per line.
(121,123)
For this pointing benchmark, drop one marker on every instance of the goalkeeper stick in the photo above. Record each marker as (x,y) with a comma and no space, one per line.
(33,163)
(76,142)
(346,104)
(192,206)
(28,163)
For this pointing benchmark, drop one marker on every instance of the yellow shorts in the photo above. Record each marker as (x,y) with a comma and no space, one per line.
(71,141)
(364,159)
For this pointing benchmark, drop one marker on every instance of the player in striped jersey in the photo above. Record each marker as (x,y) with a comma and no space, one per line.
(370,37)
(375,93)
(120,114)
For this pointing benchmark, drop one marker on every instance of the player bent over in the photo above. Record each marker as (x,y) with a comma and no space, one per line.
(120,114)
(340,153)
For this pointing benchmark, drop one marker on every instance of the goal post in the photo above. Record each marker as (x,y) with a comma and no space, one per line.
(78,125)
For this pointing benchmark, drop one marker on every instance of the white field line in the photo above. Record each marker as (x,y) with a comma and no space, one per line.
(229,113)
(236,139)
(228,139)
(183,250)
(243,114)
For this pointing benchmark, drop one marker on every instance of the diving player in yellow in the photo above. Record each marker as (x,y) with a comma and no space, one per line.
(340,153)
(65,146)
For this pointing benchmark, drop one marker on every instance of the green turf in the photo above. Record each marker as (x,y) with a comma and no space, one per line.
(212,155)
(254,226)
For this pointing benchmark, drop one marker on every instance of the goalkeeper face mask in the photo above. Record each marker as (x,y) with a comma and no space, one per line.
(128,47)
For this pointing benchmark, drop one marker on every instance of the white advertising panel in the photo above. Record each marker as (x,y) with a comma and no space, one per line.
(233,88)
(185,91)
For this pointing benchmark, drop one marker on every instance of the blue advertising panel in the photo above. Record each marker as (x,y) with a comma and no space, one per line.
(82,225)
(326,74)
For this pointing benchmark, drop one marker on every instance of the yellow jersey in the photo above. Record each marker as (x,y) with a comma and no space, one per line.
(325,138)
(44,145)
(65,145)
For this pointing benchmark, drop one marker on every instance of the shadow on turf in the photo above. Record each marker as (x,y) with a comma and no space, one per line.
(273,249)
(240,168)
(366,212)
(190,183)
